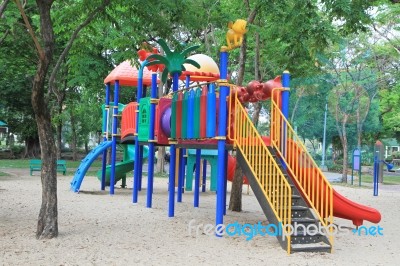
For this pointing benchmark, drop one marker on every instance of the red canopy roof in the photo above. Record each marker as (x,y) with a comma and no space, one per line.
(127,75)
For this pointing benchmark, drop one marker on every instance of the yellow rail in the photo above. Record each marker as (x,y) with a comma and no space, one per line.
(267,173)
(310,180)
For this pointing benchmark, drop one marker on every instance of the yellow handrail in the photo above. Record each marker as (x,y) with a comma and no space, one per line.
(309,178)
(266,171)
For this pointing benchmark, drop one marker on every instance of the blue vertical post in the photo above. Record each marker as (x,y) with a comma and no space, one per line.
(204,183)
(105,137)
(171,182)
(285,94)
(140,171)
(136,175)
(150,169)
(226,180)
(114,137)
(211,111)
(197,179)
(221,172)
(285,107)
(181,169)
(140,164)
(376,174)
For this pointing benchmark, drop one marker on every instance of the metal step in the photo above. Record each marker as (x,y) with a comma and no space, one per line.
(311,247)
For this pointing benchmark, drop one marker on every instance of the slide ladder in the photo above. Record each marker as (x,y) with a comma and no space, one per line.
(279,198)
(314,188)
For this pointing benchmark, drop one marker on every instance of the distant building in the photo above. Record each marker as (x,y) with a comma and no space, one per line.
(391,146)
(3,127)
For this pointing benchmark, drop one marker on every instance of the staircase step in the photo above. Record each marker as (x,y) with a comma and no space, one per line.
(308,239)
(303,220)
(311,247)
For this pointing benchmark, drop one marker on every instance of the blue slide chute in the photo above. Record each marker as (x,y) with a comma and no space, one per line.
(85,164)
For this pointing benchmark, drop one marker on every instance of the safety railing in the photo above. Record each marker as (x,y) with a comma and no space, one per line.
(266,171)
(310,180)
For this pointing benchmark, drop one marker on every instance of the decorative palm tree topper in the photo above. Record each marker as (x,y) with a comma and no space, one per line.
(173,60)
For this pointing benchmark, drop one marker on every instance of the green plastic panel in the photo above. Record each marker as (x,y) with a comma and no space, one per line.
(144,119)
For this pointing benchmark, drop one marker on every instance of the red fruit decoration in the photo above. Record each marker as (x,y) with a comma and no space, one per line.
(256,91)
(246,97)
(253,99)
(260,95)
(143,54)
(270,85)
(253,86)
(241,91)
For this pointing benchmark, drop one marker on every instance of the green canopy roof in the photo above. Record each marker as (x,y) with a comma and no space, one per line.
(2,124)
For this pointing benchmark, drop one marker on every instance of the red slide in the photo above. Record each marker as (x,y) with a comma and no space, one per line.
(342,207)
(347,209)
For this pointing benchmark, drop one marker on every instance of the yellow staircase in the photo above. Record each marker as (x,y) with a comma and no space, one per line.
(279,197)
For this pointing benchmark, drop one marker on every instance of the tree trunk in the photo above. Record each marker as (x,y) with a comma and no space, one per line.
(160,160)
(256,114)
(74,144)
(345,151)
(235,201)
(10,143)
(3,6)
(32,147)
(47,226)
(257,105)
(59,132)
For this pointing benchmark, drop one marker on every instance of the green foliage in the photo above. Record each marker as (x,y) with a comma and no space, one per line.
(305,37)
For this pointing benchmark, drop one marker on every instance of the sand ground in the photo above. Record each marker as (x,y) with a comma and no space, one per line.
(98,229)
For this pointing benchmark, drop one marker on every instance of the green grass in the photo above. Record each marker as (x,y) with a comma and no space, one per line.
(387,179)
(161,175)
(24,163)
(71,166)
(3,174)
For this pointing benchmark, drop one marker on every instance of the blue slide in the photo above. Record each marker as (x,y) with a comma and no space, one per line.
(85,164)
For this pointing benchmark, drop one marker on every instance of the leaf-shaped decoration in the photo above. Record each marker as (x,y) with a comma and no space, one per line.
(164,46)
(189,49)
(183,68)
(158,57)
(155,62)
(192,62)
(164,75)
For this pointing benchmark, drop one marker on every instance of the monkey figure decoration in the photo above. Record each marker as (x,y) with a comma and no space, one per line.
(234,36)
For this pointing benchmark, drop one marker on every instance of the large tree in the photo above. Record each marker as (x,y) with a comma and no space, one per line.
(45,42)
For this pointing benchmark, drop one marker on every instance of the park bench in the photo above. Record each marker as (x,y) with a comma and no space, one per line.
(36,165)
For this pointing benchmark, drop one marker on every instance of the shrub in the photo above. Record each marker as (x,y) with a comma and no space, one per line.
(396,155)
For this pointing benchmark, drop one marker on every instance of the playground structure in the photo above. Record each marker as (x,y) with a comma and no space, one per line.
(209,116)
